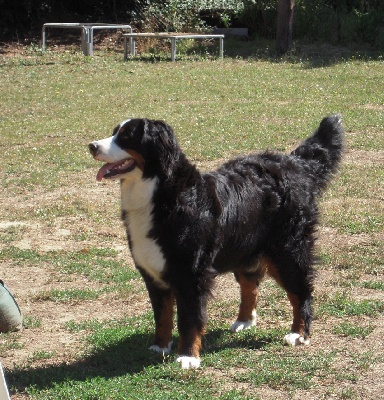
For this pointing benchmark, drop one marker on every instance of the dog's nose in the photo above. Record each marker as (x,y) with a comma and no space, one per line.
(93,148)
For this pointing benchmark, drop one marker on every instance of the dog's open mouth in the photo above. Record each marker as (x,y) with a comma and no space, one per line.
(112,170)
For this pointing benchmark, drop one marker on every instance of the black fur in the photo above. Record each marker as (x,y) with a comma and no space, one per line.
(256,205)
(252,207)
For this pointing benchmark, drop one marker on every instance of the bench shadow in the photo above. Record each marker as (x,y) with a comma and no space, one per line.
(130,356)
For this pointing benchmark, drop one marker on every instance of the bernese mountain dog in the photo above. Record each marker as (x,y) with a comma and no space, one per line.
(255,214)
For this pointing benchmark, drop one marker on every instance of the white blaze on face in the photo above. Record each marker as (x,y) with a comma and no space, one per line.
(109,151)
(124,122)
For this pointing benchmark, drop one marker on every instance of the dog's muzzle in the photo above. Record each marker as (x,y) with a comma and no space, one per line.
(94,149)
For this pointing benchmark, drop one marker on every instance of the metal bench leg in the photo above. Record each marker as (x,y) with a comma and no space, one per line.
(132,43)
(173,44)
(84,35)
(43,38)
(90,42)
(87,41)
(221,48)
(132,50)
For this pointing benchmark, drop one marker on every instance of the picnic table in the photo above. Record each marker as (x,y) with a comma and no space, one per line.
(166,35)
(86,32)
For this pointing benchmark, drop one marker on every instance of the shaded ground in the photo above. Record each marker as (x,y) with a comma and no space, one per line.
(313,54)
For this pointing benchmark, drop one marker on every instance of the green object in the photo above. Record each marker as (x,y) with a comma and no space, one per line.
(10,315)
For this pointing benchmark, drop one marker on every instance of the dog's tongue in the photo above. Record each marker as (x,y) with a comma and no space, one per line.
(111,170)
(104,170)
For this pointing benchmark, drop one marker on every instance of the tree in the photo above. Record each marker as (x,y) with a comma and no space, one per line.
(284,25)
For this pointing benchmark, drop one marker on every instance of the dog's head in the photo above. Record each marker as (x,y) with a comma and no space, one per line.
(136,145)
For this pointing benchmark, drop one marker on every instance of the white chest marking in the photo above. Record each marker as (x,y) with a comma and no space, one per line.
(136,200)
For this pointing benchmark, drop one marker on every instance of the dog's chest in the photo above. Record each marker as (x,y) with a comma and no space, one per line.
(138,221)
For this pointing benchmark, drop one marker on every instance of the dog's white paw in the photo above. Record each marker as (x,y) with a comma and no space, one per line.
(238,326)
(188,362)
(162,350)
(294,339)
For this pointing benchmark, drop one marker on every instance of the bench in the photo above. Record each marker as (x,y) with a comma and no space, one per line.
(164,35)
(86,32)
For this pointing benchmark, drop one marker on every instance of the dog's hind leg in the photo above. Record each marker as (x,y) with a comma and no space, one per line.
(163,303)
(249,288)
(298,286)
(302,315)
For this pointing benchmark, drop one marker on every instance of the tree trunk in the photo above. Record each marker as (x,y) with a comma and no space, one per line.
(284,25)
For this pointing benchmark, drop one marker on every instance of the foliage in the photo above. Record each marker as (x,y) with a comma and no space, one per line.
(259,16)
(172,16)
(326,20)
(188,15)
(340,21)
(26,17)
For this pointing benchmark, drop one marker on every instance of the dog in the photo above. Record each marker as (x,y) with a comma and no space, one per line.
(254,215)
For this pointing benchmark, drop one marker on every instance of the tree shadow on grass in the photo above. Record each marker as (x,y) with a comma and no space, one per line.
(130,356)
(308,55)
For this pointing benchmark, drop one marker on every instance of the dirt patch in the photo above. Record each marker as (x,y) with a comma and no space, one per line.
(330,238)
(364,157)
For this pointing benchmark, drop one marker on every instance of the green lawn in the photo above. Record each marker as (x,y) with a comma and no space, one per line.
(87,321)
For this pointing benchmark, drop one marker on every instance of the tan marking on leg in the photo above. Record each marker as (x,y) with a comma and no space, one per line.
(191,345)
(272,271)
(298,323)
(163,334)
(248,295)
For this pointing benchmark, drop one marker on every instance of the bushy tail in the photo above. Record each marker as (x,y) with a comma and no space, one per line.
(323,150)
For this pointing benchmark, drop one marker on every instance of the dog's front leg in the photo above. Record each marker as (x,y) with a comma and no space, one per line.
(163,303)
(191,311)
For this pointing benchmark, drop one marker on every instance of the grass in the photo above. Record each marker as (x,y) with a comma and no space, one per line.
(31,321)
(364,258)
(347,329)
(341,305)
(40,355)
(10,342)
(69,295)
(373,285)
(64,252)
(116,363)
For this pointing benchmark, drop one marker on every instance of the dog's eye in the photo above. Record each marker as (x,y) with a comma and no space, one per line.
(124,135)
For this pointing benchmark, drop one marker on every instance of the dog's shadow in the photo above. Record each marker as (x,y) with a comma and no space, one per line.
(128,357)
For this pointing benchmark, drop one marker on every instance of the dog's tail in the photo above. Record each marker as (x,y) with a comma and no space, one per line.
(323,150)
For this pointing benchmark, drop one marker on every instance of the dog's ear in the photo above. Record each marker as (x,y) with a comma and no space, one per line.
(134,129)
(162,144)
